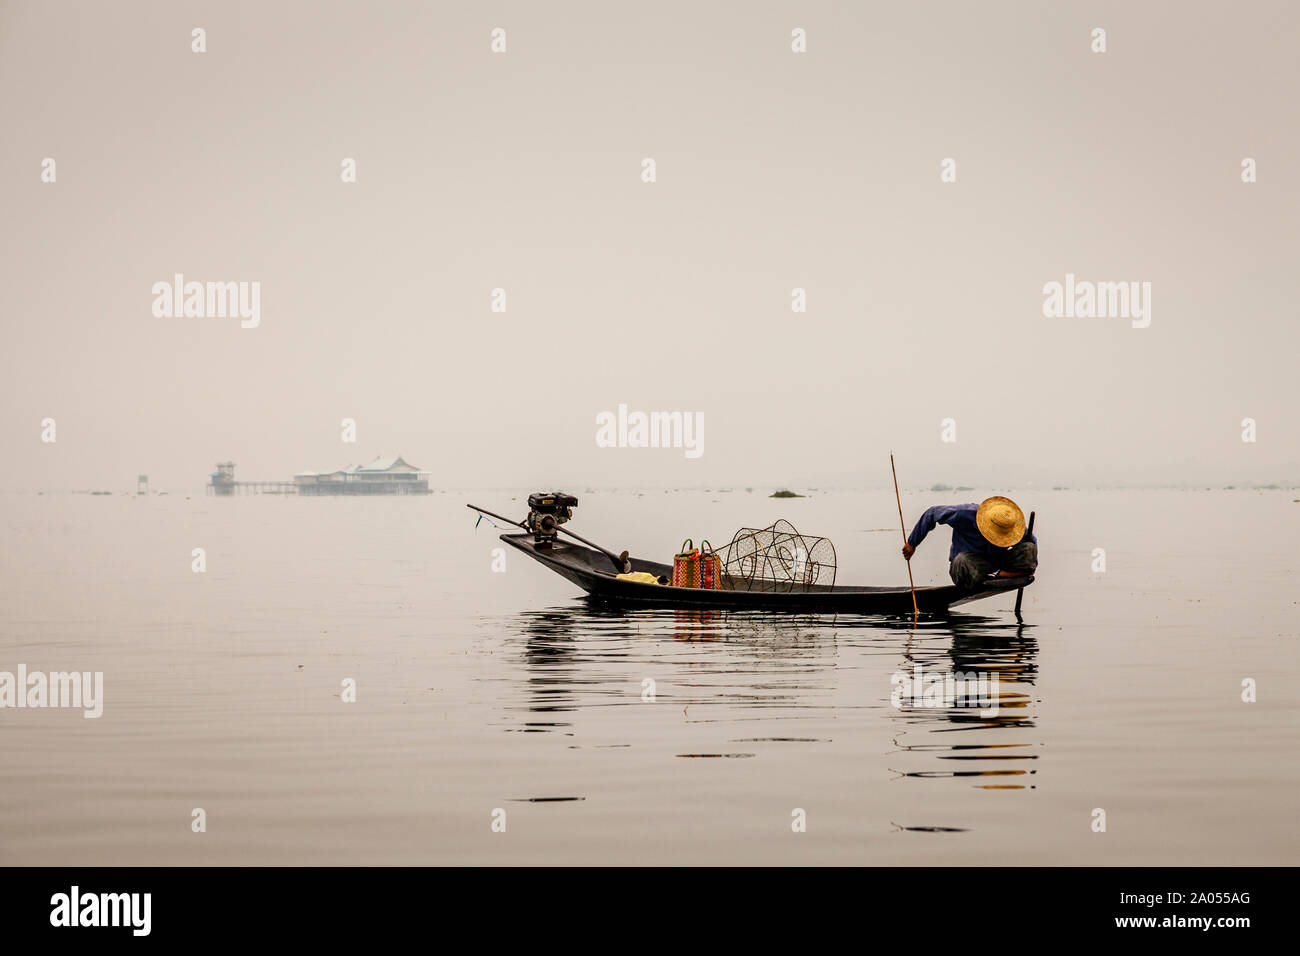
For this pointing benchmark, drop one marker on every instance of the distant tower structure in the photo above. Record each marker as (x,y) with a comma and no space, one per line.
(223,479)
(142,484)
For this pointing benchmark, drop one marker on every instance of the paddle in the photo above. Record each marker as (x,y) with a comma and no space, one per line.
(1020,593)
(620,561)
(902,525)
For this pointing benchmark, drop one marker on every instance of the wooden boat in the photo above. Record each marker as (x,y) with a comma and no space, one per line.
(591,570)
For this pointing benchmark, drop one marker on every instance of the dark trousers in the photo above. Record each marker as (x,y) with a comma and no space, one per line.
(969,569)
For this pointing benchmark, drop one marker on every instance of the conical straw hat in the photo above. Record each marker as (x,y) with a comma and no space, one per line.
(1001,521)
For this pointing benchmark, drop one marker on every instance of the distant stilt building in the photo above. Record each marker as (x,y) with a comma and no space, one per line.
(142,484)
(223,479)
(383,476)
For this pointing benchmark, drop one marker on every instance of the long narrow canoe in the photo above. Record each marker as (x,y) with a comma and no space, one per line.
(591,571)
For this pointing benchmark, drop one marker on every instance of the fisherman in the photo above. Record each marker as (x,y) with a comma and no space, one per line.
(986,538)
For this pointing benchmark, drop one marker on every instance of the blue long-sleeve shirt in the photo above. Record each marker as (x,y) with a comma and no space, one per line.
(965,533)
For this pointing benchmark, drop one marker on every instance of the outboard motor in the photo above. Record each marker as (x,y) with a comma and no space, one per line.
(546,512)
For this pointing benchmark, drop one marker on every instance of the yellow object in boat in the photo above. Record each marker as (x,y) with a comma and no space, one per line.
(644,577)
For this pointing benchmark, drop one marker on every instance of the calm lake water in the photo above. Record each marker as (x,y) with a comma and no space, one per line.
(480,691)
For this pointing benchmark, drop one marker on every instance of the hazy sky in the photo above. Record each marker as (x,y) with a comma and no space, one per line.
(775,170)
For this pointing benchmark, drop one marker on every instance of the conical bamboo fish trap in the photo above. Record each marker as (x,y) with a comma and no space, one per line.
(778,558)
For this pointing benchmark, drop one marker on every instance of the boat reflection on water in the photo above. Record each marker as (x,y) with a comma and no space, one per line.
(590,654)
(747,667)
(998,657)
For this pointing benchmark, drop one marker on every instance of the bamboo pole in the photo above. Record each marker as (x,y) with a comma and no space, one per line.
(1020,594)
(903,526)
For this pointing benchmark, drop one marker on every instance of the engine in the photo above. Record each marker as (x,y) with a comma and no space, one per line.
(546,512)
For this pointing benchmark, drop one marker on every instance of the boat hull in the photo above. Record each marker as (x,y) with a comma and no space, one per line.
(594,573)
